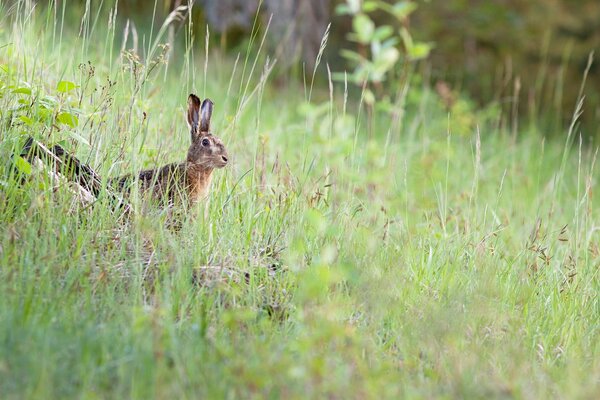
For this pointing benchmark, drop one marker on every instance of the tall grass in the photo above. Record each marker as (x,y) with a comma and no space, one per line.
(429,259)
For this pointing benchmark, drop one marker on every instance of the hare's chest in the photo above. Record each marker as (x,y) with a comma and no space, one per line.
(199,184)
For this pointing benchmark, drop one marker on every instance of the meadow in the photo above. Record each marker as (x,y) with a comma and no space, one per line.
(344,253)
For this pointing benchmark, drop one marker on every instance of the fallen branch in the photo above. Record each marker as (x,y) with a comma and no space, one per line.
(73,170)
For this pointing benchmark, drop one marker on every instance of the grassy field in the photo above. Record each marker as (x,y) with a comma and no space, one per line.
(342,255)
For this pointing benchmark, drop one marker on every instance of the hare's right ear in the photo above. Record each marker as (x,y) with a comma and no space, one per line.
(205,114)
(193,115)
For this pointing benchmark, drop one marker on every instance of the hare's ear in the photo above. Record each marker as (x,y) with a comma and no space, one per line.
(205,114)
(193,115)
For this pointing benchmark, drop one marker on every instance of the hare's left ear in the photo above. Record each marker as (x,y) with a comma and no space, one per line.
(193,115)
(205,114)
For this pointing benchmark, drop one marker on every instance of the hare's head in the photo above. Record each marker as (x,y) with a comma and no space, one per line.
(206,149)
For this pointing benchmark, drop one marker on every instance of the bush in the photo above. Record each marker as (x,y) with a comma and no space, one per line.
(487,45)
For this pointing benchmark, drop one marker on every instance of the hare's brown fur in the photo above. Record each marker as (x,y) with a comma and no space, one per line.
(190,179)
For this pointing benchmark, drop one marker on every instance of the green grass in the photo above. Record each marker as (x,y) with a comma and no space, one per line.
(408,262)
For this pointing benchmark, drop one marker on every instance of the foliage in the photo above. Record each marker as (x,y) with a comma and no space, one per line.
(493,47)
(379,48)
(526,56)
(427,260)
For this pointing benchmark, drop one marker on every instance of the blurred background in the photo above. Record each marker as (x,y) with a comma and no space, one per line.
(526,57)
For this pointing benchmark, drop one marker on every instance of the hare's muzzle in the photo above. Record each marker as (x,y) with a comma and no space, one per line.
(221,161)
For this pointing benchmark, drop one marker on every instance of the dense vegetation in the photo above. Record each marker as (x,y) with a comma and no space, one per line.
(359,246)
(534,51)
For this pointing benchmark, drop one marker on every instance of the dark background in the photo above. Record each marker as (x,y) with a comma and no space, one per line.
(487,49)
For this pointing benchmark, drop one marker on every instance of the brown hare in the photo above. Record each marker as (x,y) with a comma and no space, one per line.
(189,180)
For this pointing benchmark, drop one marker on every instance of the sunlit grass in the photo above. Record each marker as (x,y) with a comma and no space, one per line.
(440,258)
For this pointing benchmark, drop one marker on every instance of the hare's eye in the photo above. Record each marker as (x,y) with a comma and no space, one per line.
(205,142)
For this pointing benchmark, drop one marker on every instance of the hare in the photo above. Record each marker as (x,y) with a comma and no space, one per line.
(190,179)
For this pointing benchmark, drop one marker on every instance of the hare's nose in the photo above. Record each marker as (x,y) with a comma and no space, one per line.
(224,158)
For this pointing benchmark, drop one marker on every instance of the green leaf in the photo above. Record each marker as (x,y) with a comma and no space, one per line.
(403,9)
(385,61)
(351,55)
(369,6)
(67,119)
(389,55)
(383,32)
(339,76)
(22,90)
(354,6)
(364,28)
(342,9)
(363,72)
(26,119)
(43,114)
(391,42)
(65,86)
(406,38)
(419,51)
(23,165)
(356,77)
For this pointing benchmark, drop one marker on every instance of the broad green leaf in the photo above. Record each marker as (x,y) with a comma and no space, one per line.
(67,119)
(403,9)
(351,55)
(369,6)
(342,9)
(364,28)
(23,165)
(65,86)
(43,114)
(391,42)
(339,76)
(385,61)
(383,32)
(389,55)
(22,90)
(354,6)
(419,51)
(363,72)
(356,77)
(26,119)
